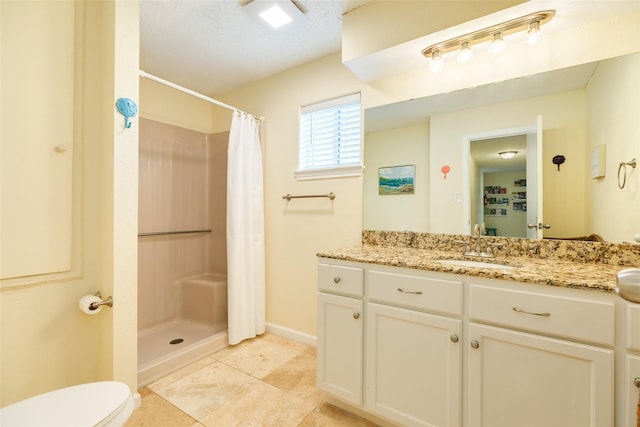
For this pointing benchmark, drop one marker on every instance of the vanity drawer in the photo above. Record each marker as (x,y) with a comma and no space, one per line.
(417,292)
(576,318)
(339,279)
(633,327)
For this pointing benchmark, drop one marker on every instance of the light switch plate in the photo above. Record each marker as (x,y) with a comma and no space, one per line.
(598,161)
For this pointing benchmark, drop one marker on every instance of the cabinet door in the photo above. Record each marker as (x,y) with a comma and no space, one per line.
(632,391)
(520,379)
(340,330)
(413,366)
(36,137)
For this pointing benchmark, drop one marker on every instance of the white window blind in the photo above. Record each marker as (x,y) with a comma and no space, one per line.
(330,138)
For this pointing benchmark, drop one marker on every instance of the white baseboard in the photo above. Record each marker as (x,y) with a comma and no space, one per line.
(291,334)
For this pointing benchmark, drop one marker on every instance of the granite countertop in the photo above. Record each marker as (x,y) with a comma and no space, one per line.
(551,272)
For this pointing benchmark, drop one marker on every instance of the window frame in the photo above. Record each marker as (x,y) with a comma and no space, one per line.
(335,171)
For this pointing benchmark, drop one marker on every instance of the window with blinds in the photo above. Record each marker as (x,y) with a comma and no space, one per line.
(330,139)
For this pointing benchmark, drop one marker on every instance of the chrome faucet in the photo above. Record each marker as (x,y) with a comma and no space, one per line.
(475,247)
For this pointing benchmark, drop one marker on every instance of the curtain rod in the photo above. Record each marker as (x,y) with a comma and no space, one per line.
(191,92)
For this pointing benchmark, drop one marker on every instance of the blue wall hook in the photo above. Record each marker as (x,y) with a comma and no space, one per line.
(127,108)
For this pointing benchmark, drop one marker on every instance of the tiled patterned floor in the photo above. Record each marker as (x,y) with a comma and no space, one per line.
(265,381)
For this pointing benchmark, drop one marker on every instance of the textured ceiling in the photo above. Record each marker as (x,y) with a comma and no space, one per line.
(213,46)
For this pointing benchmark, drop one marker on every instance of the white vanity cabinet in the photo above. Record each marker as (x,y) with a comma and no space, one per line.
(525,366)
(420,348)
(413,359)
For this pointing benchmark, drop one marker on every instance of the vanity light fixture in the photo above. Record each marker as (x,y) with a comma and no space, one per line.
(507,154)
(495,33)
(273,13)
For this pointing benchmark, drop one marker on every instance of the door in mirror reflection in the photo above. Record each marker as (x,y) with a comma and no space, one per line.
(504,181)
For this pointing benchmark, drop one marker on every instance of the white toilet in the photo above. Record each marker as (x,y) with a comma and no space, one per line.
(105,403)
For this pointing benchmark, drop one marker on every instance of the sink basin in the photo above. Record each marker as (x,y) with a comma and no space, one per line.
(628,284)
(470,263)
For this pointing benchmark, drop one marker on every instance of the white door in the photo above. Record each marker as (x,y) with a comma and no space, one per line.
(535,224)
(340,333)
(526,380)
(413,366)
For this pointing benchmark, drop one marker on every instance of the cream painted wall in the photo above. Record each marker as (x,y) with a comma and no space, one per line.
(564,121)
(297,230)
(613,112)
(125,65)
(46,342)
(167,105)
(395,147)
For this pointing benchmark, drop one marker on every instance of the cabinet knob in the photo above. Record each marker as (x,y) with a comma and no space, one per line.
(356,316)
(636,382)
(454,338)
(475,344)
(337,280)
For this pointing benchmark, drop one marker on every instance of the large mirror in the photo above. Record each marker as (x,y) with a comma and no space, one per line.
(590,116)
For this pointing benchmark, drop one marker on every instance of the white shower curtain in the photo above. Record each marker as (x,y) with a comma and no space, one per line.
(245,230)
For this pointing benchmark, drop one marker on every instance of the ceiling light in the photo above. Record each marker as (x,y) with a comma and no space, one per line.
(275,16)
(437,62)
(531,23)
(273,13)
(498,44)
(465,54)
(533,34)
(507,154)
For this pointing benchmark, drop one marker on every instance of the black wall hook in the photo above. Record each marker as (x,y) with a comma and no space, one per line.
(558,160)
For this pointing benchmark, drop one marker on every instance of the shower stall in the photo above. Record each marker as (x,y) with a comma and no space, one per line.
(182,285)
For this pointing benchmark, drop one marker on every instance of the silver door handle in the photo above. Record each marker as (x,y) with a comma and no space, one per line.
(518,310)
(539,226)
(409,292)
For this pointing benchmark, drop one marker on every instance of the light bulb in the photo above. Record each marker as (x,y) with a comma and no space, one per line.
(436,61)
(465,54)
(533,35)
(497,45)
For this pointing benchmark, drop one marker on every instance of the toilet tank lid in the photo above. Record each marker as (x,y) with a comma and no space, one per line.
(80,405)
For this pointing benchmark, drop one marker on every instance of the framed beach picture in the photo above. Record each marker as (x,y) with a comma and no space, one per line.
(396,180)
